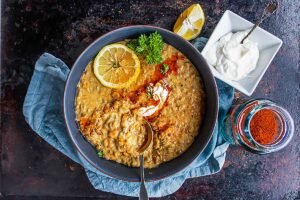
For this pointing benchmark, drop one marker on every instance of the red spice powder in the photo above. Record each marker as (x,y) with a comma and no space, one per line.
(84,122)
(264,127)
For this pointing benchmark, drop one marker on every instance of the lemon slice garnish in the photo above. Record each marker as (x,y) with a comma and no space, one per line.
(116,66)
(190,22)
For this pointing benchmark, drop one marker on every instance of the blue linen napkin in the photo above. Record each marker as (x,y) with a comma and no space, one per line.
(43,112)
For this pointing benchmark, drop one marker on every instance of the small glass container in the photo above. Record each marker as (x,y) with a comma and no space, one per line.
(236,126)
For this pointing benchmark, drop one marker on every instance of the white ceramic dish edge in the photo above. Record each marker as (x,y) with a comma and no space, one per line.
(247,85)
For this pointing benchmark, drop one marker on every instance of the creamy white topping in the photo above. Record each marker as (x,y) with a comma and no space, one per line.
(160,92)
(231,58)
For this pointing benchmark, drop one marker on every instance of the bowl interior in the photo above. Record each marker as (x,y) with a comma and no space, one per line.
(267,43)
(118,170)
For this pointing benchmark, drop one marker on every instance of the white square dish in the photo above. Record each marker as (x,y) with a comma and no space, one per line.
(267,43)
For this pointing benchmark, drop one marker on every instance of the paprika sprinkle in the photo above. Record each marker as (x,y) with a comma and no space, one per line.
(264,127)
(259,125)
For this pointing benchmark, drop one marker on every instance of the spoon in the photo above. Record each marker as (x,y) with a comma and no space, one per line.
(269,10)
(149,137)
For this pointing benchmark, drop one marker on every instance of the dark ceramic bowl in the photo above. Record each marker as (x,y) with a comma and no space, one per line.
(120,171)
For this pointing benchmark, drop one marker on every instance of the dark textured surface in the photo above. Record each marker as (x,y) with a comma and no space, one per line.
(32,169)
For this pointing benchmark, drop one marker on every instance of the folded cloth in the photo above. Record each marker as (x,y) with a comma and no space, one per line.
(43,112)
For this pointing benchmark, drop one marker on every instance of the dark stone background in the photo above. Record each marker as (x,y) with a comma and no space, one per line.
(32,169)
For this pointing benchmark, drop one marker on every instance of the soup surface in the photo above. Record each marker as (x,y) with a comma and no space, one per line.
(172,101)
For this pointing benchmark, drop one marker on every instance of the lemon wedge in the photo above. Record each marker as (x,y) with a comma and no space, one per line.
(190,22)
(116,66)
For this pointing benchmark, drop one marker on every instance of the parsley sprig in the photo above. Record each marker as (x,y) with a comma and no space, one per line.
(148,46)
(149,91)
(164,68)
(100,153)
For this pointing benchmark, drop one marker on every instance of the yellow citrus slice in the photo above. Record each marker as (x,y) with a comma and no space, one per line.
(116,66)
(190,22)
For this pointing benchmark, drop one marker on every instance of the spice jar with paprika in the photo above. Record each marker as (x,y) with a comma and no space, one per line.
(260,126)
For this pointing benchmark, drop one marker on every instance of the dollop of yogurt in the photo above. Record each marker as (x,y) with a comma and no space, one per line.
(160,93)
(231,58)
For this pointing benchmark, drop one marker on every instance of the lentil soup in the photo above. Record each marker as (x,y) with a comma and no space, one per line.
(172,100)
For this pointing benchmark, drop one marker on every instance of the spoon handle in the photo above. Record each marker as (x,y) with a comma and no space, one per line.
(143,190)
(252,29)
(269,10)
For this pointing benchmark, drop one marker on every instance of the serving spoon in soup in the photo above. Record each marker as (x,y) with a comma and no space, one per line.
(143,148)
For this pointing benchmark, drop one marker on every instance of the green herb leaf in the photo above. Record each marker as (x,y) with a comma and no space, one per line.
(100,154)
(132,44)
(149,91)
(164,68)
(148,46)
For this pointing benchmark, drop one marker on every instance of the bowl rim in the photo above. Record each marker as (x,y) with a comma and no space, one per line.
(185,165)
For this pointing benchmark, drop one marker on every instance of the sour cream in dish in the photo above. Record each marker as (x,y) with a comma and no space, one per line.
(231,58)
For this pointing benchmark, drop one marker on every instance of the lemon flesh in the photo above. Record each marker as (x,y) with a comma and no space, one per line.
(116,66)
(189,24)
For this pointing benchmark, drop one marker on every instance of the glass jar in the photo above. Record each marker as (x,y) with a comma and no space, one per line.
(236,126)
